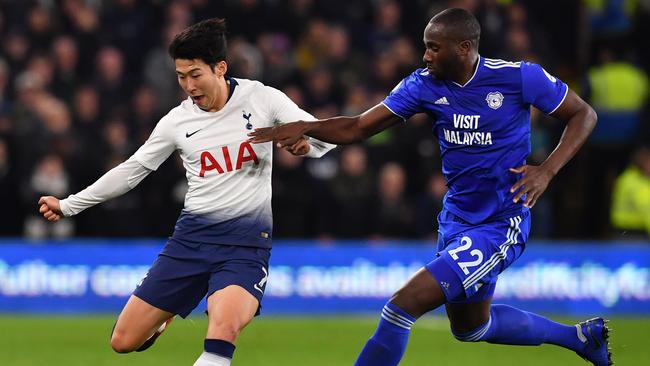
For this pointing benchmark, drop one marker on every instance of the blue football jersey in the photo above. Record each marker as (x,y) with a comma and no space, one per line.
(483,128)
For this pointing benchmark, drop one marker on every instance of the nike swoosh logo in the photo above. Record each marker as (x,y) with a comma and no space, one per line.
(188,135)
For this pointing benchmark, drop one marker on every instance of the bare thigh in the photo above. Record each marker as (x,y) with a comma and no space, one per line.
(229,311)
(137,322)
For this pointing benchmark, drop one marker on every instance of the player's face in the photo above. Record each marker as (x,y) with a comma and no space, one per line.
(200,81)
(440,54)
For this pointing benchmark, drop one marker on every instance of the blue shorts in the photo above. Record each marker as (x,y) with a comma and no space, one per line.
(183,274)
(470,257)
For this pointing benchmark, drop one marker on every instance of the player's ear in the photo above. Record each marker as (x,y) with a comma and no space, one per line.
(464,47)
(221,68)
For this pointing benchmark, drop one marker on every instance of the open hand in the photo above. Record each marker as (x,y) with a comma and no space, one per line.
(533,183)
(50,208)
(285,135)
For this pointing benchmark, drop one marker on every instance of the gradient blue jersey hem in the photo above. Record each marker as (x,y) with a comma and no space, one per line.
(246,230)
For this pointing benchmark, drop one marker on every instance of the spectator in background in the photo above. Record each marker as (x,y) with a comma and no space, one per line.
(157,63)
(291,197)
(618,90)
(386,30)
(320,90)
(15,47)
(87,122)
(65,56)
(344,63)
(245,59)
(313,45)
(404,52)
(144,113)
(130,26)
(278,64)
(40,29)
(427,207)
(631,197)
(393,212)
(116,137)
(111,81)
(41,66)
(524,39)
(352,192)
(492,17)
(48,177)
(81,21)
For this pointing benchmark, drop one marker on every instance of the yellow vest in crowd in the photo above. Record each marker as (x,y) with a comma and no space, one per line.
(631,201)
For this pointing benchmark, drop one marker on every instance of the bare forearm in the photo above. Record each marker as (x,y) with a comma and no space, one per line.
(574,136)
(337,130)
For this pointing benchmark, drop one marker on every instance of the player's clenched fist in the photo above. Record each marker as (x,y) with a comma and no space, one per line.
(50,208)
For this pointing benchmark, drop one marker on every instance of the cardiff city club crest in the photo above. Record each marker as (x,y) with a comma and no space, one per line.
(494,100)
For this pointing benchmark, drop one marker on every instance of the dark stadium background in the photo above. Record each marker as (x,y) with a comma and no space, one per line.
(83,83)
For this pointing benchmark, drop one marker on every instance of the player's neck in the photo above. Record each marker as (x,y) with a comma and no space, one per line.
(467,71)
(222,96)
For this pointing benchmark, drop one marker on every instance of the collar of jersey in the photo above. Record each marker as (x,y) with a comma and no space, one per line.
(232,84)
(478,64)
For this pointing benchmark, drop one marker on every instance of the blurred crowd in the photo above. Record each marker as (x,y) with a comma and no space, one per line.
(83,83)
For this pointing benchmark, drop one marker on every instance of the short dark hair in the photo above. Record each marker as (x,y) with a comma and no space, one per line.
(460,24)
(205,40)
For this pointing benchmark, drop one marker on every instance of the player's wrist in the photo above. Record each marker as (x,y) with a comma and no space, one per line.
(306,127)
(65,209)
(550,171)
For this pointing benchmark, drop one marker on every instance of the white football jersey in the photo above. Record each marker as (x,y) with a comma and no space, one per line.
(229,178)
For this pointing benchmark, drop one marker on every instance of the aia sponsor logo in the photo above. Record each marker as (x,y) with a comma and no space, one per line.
(209,162)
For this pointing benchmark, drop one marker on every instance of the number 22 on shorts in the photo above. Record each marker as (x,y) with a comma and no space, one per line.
(466,243)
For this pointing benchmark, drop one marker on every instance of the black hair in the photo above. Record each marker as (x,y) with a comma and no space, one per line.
(205,40)
(459,24)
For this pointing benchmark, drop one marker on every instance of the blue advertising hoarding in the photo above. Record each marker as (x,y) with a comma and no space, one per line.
(80,276)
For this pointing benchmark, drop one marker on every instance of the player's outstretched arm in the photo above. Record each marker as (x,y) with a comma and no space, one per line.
(337,130)
(115,182)
(581,120)
(50,208)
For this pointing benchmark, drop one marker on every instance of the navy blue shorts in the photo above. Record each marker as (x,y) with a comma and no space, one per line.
(470,257)
(183,274)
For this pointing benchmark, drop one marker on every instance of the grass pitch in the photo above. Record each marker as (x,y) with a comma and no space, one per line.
(282,341)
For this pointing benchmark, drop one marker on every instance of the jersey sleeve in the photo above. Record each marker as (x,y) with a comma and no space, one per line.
(158,146)
(115,182)
(404,99)
(541,89)
(284,110)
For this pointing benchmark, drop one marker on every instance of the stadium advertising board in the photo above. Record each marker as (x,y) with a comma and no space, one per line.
(348,277)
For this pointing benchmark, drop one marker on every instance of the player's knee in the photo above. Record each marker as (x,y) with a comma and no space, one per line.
(413,302)
(227,330)
(121,343)
(476,335)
